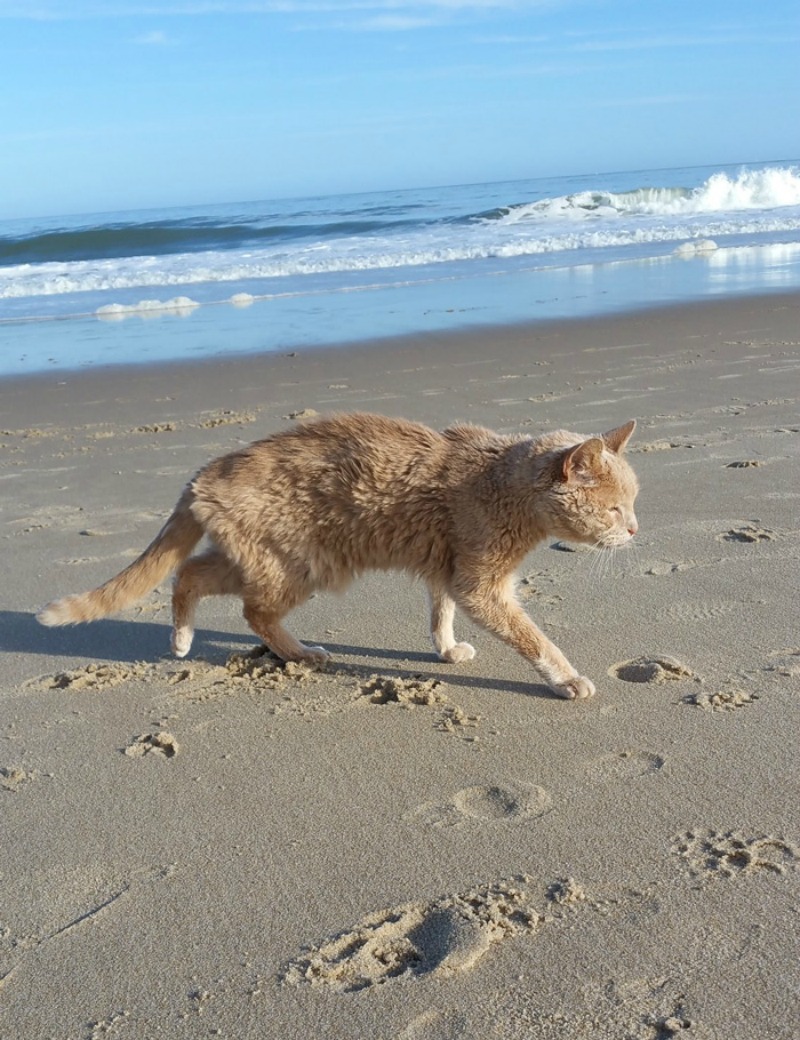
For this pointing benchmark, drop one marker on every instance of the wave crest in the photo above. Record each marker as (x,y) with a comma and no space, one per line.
(339,239)
(720,193)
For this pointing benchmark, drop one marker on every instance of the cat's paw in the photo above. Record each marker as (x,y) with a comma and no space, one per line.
(316,656)
(458,653)
(575,689)
(181,641)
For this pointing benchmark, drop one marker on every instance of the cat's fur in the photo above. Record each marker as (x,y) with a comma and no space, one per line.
(314,506)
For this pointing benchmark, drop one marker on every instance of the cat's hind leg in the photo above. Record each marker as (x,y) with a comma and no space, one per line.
(208,574)
(444,641)
(264,610)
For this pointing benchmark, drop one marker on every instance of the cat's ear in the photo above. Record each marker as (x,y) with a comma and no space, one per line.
(579,465)
(618,438)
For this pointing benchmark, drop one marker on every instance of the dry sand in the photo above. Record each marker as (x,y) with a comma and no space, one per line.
(395,847)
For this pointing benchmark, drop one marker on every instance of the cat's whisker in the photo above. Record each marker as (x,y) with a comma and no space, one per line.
(636,566)
(596,566)
(600,563)
(592,562)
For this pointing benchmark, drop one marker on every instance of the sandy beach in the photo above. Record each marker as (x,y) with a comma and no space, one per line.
(396,848)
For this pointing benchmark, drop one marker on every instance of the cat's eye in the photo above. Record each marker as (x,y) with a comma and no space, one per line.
(617,510)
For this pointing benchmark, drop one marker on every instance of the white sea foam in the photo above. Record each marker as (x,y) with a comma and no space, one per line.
(568,228)
(179,305)
(752,189)
(700,247)
(720,193)
(367,255)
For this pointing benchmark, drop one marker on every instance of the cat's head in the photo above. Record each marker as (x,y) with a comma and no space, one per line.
(595,489)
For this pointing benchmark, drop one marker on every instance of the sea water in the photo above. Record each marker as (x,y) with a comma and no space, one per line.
(281,275)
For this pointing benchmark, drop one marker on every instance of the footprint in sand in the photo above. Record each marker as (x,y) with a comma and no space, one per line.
(655,669)
(225,418)
(722,700)
(161,744)
(95,676)
(158,427)
(495,803)
(510,802)
(13,777)
(662,445)
(726,854)
(748,533)
(433,1025)
(415,691)
(442,938)
(787,665)
(624,765)
(389,689)
(662,567)
(636,1008)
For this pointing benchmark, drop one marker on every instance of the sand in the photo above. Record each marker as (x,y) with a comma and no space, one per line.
(394,847)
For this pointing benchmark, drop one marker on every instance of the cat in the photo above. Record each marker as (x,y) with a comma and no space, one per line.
(312,507)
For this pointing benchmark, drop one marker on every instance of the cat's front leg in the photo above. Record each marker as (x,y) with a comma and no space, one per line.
(444,641)
(576,689)
(493,605)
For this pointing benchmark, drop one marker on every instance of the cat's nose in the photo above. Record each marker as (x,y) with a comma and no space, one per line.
(633,527)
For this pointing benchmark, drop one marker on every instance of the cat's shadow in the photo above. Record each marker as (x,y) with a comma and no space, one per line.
(449,673)
(121,640)
(107,640)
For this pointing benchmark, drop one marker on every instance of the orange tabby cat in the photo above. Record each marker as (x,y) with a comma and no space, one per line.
(314,506)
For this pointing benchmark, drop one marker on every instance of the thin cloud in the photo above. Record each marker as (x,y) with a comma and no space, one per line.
(156,38)
(390,23)
(510,40)
(710,36)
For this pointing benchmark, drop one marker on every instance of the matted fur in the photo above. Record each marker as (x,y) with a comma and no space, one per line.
(314,506)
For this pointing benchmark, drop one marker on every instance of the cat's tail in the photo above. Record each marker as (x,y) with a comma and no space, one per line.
(173,543)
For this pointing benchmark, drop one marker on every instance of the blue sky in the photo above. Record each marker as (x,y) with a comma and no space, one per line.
(117,104)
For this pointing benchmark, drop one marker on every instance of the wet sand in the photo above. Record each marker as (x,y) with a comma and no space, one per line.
(398,847)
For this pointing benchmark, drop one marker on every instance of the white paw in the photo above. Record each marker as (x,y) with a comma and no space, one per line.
(182,640)
(316,655)
(458,653)
(577,689)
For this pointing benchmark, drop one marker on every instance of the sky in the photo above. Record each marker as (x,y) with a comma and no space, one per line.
(125,104)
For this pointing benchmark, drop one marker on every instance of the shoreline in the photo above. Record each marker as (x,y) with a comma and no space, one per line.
(457,304)
(549,332)
(397,847)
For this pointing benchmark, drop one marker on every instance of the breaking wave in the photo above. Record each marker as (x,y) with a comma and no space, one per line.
(341,237)
(720,193)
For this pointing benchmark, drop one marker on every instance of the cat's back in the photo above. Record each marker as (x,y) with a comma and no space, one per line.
(340,451)
(353,444)
(343,493)
(360,433)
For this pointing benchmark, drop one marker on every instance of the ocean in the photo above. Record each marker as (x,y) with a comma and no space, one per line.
(139,286)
